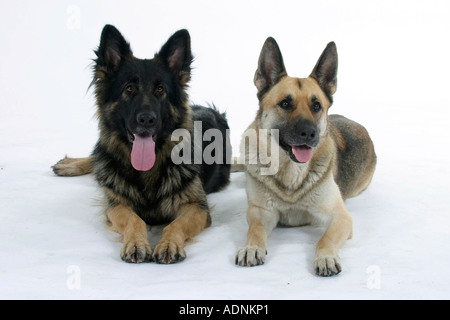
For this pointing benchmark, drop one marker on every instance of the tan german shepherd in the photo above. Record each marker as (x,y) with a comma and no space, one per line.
(322,159)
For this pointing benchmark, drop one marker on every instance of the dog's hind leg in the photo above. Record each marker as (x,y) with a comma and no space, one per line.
(261,223)
(71,167)
(133,229)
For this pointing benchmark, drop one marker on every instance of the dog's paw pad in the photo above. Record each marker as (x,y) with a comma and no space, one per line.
(326,266)
(250,256)
(168,252)
(134,252)
(65,168)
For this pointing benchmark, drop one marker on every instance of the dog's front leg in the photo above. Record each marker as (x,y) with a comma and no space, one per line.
(191,221)
(261,223)
(133,229)
(326,261)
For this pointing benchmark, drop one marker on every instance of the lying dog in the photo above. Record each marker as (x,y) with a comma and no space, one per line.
(322,159)
(140,104)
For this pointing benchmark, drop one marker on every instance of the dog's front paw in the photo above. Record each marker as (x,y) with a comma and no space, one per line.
(167,252)
(250,256)
(328,265)
(136,252)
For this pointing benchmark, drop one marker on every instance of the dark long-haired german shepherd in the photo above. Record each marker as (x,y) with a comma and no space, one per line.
(140,104)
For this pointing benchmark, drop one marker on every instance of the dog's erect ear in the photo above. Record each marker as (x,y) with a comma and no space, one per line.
(113,49)
(270,67)
(325,71)
(176,54)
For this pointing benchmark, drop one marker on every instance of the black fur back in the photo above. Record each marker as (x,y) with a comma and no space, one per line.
(214,176)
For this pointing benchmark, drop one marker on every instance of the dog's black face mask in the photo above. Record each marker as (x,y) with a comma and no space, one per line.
(298,138)
(140,99)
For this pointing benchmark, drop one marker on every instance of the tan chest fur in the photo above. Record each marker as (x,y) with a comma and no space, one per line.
(297,192)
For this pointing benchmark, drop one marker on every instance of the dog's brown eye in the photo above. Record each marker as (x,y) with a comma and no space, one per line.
(316,107)
(285,104)
(159,90)
(130,88)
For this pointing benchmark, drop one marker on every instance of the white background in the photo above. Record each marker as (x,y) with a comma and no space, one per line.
(393,78)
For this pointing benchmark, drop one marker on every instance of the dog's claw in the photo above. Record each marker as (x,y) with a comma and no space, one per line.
(136,253)
(168,253)
(250,256)
(327,266)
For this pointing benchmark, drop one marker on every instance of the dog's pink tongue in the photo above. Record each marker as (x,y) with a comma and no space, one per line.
(302,153)
(143,153)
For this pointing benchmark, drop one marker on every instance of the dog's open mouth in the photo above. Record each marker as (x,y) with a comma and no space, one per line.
(302,153)
(143,151)
(298,153)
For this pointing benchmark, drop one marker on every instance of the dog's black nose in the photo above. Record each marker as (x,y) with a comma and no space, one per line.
(308,132)
(146,119)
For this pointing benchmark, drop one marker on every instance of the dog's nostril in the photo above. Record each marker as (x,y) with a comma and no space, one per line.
(308,134)
(149,120)
(146,118)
